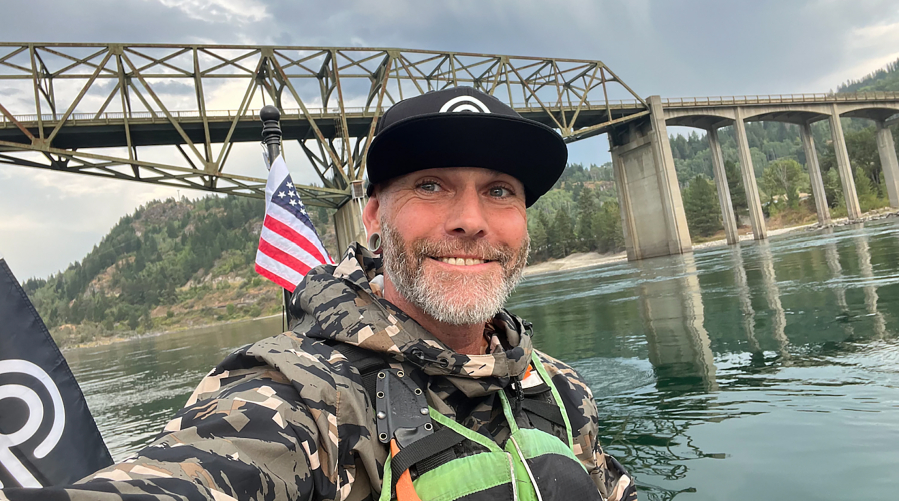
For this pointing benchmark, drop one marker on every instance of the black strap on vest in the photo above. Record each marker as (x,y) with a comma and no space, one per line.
(432,447)
(547,411)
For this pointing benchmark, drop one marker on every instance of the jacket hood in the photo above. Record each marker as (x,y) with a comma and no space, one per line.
(337,303)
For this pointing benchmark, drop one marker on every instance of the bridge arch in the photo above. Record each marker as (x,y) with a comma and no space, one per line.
(881,114)
(878,112)
(705,119)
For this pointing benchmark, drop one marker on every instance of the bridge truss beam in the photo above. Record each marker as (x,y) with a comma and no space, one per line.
(147,112)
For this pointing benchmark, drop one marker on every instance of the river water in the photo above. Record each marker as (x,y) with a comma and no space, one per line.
(763,370)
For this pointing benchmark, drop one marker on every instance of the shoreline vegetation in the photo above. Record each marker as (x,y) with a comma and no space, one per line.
(180,264)
(590,259)
(578,260)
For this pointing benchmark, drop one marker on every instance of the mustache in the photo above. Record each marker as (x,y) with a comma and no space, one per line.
(428,248)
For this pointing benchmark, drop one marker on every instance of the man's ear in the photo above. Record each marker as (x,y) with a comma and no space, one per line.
(371,215)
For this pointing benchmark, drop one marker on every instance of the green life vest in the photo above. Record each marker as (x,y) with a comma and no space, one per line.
(533,464)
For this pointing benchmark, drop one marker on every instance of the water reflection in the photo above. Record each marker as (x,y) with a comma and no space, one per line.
(867,273)
(836,272)
(673,316)
(772,294)
(744,296)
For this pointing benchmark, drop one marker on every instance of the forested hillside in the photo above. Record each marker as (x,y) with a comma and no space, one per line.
(172,263)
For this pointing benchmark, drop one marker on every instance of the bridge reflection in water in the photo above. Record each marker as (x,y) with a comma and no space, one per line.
(732,353)
(672,311)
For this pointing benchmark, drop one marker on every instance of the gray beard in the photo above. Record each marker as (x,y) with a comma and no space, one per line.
(451,298)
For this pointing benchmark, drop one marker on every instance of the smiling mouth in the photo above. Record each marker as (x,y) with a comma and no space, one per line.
(461,261)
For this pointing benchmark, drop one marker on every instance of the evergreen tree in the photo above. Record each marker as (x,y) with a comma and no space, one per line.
(607,221)
(867,192)
(833,188)
(585,230)
(735,185)
(537,233)
(701,207)
(561,237)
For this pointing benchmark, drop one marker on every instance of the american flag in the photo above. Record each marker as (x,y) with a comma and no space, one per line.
(289,246)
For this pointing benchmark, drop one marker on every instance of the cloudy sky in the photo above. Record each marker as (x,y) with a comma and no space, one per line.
(672,48)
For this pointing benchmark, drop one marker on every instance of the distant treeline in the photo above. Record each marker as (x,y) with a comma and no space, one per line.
(579,214)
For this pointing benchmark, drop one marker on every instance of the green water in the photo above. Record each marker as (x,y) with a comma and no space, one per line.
(768,370)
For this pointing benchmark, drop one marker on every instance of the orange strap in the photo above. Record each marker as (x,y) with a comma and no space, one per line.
(405,491)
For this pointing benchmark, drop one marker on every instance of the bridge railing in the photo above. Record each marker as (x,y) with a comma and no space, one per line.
(778,99)
(287,113)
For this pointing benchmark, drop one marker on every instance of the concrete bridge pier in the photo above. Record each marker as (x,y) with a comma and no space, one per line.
(652,211)
(845,168)
(814,173)
(887,149)
(756,216)
(727,207)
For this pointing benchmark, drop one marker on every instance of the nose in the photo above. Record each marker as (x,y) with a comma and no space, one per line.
(466,215)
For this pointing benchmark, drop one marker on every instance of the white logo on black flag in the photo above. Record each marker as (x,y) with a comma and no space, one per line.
(47,435)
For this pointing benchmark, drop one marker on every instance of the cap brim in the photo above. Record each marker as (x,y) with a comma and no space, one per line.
(527,150)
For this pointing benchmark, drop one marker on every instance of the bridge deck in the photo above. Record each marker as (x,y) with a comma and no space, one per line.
(87,130)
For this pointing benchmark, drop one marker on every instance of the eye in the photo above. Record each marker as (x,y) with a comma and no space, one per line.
(500,192)
(429,185)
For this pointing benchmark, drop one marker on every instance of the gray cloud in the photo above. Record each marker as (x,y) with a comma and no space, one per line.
(667,47)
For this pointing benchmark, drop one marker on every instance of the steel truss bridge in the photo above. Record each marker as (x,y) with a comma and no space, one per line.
(171,114)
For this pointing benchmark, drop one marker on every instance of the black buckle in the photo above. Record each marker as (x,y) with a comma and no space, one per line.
(402,409)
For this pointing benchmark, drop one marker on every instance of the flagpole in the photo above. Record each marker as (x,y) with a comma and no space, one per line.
(271,141)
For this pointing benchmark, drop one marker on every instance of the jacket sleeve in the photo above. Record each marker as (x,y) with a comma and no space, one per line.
(611,479)
(243,434)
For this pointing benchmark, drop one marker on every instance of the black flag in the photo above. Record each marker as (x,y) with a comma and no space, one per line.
(47,434)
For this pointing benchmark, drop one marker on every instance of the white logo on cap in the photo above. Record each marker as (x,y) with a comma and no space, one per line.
(464,103)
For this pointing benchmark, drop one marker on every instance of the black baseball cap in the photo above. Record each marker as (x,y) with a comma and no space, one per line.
(464,127)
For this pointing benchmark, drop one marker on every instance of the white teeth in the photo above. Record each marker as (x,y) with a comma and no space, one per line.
(461,261)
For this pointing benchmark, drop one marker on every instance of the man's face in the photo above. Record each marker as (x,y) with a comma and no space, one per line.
(454,240)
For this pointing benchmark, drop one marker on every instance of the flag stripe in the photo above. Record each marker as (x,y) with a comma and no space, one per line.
(287,246)
(292,238)
(271,265)
(288,219)
(283,257)
(274,277)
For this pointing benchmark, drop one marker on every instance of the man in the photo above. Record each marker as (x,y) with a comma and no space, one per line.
(403,377)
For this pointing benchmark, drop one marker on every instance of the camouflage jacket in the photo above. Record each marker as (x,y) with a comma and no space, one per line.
(288,417)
